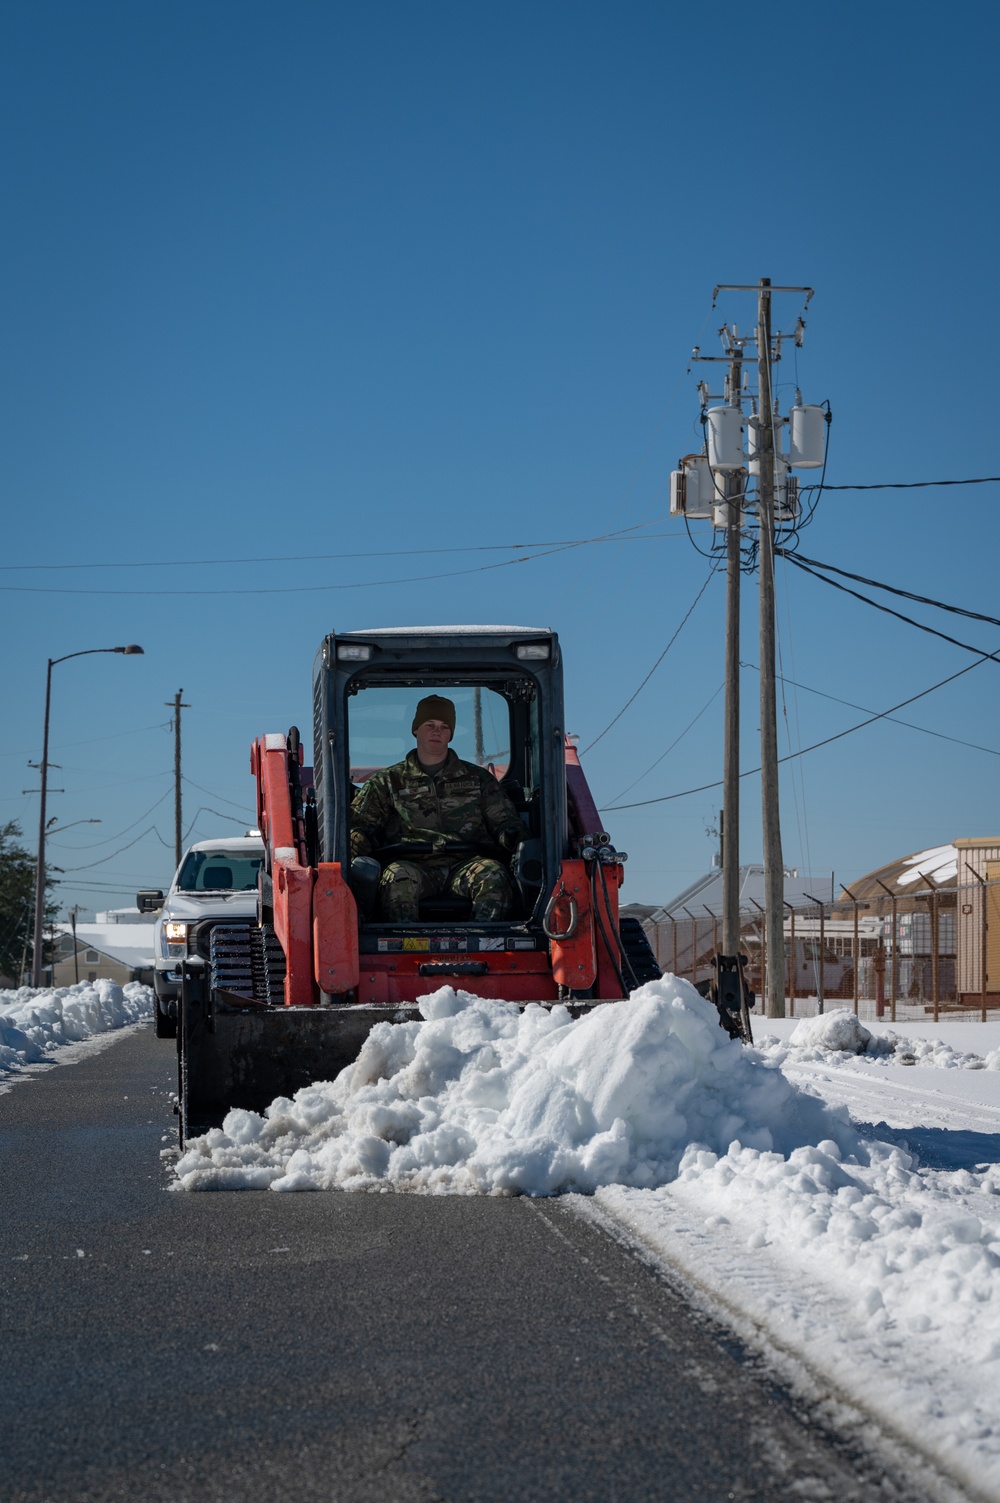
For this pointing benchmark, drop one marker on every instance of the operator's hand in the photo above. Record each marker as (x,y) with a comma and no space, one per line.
(511,838)
(360,844)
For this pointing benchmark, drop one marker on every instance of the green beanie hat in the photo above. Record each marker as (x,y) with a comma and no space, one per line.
(434,707)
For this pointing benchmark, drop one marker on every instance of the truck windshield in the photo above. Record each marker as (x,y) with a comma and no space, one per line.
(219,871)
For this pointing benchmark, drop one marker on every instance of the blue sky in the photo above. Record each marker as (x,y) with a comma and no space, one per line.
(392,280)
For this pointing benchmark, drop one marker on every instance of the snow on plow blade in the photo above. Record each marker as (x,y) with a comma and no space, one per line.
(233,1052)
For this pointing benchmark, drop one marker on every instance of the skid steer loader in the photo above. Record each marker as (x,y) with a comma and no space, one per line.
(272,1004)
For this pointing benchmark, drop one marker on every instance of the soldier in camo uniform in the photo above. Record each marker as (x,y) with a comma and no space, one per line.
(435,819)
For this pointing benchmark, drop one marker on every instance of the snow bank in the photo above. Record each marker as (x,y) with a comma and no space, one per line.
(918,1249)
(35,1023)
(840,1033)
(881,1274)
(484,1097)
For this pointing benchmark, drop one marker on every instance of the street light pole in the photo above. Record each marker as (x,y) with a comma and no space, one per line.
(36,957)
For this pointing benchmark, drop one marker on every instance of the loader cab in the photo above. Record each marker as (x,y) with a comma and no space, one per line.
(506,685)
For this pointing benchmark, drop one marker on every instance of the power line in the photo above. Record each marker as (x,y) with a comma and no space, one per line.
(212,794)
(91,864)
(905,485)
(659,660)
(92,845)
(91,740)
(925,730)
(327,558)
(884,714)
(676,742)
(931,630)
(618,535)
(204,809)
(876,584)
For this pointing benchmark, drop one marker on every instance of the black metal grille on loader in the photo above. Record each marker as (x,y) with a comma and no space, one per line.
(247,959)
(638,951)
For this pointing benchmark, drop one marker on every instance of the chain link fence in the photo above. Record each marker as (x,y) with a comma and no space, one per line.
(896,956)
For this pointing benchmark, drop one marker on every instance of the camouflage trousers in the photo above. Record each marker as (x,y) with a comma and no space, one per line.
(481,879)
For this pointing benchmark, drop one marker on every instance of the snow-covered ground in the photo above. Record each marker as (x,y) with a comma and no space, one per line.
(836,1189)
(39,1026)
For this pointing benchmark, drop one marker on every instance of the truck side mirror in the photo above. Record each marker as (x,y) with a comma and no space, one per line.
(149,902)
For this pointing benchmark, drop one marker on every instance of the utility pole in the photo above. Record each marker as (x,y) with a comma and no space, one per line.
(726,484)
(712,486)
(76,954)
(477,722)
(735,486)
(177,706)
(774,870)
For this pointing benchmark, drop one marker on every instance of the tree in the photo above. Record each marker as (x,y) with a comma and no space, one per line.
(17,904)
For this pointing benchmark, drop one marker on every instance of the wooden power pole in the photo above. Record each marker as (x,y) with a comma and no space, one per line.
(735,484)
(774,870)
(177,706)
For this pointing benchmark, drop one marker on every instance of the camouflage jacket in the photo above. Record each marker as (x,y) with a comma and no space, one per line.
(403,812)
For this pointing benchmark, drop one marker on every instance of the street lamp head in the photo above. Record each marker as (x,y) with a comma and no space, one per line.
(130,650)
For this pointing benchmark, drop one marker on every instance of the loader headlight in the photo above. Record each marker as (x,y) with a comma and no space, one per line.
(353,652)
(532,650)
(174,933)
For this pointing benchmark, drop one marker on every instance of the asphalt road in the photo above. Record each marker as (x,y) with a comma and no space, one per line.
(349,1348)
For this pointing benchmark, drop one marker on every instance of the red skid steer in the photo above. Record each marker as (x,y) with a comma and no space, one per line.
(269,1006)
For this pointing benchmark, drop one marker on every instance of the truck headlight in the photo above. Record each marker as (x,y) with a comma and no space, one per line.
(175,933)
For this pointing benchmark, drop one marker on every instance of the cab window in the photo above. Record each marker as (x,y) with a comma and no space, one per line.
(380,717)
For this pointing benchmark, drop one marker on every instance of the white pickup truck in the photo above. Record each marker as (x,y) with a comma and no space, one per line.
(216,882)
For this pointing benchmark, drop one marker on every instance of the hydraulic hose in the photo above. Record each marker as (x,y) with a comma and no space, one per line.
(600,924)
(627,964)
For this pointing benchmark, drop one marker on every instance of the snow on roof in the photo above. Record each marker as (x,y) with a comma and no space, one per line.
(940,863)
(250,843)
(129,944)
(449,631)
(706,893)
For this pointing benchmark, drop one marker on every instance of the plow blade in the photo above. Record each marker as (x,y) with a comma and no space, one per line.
(235,1054)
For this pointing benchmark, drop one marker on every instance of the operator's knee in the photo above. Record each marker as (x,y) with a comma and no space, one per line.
(485,882)
(399,892)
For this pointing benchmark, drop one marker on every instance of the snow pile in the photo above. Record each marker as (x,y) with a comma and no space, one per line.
(836,1033)
(881,1270)
(905,1247)
(34,1023)
(944,1056)
(486,1097)
(841,1032)
(883,1275)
